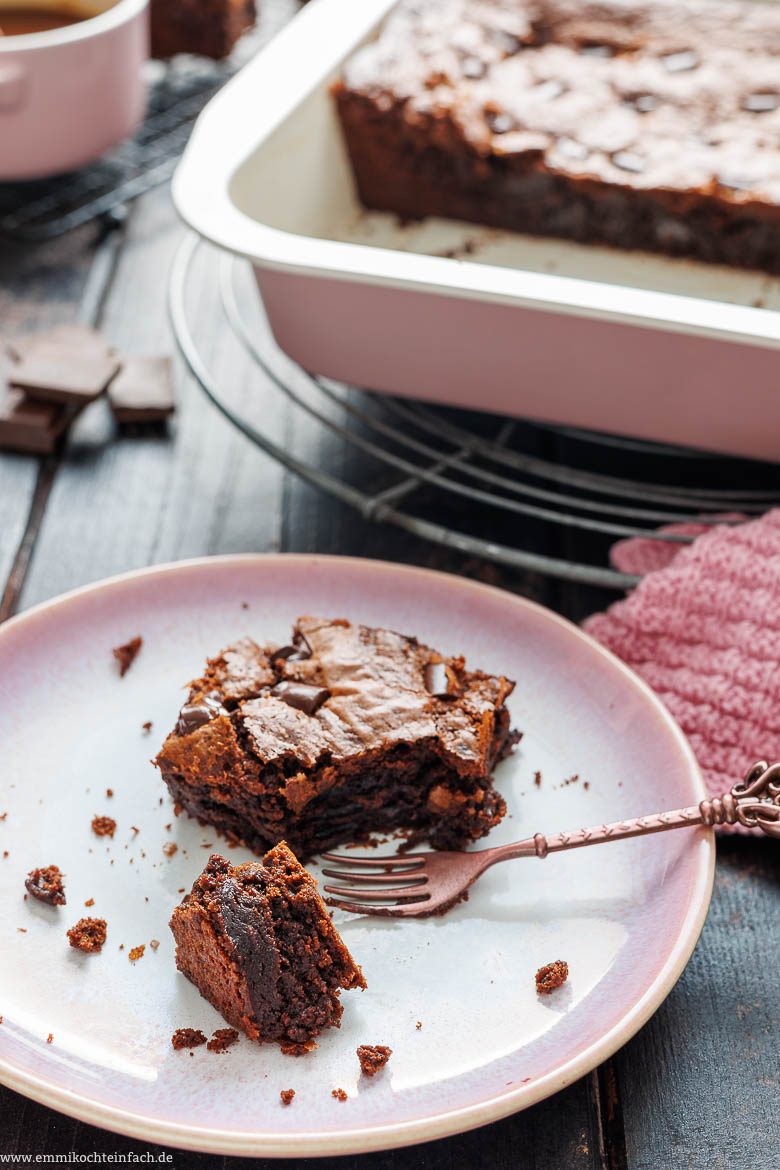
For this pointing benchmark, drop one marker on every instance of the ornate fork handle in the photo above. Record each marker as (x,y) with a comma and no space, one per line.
(754,803)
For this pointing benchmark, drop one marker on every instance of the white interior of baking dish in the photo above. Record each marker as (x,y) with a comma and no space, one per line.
(266,175)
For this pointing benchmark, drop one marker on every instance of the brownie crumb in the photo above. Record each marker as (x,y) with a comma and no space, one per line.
(109,792)
(287,1096)
(187,1038)
(418,1025)
(291,1048)
(222,1039)
(22,929)
(373,1057)
(6,853)
(127,654)
(3,816)
(339,1094)
(552,976)
(154,944)
(147,727)
(90,902)
(136,953)
(103,826)
(50,1038)
(169,848)
(89,935)
(538,779)
(586,784)
(46,885)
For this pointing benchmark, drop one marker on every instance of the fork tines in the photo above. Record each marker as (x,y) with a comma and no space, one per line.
(398,881)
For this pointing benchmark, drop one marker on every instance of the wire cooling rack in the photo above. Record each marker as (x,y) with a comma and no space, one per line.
(46,208)
(470,481)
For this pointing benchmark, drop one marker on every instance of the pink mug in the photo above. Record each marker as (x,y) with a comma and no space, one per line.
(70,93)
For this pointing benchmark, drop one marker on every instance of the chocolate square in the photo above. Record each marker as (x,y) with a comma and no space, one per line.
(142,391)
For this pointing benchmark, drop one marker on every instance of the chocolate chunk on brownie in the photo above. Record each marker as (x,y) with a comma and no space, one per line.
(209,28)
(650,124)
(346,731)
(89,935)
(46,885)
(373,1057)
(258,943)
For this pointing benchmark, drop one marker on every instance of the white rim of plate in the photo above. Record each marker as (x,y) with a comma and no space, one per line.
(440,1125)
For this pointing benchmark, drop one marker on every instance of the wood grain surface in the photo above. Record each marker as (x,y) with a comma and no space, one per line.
(698,1087)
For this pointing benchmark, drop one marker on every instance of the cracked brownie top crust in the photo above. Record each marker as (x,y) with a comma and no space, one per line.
(675,102)
(345,731)
(258,943)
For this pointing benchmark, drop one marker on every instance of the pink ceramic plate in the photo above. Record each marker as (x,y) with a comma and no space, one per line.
(625,916)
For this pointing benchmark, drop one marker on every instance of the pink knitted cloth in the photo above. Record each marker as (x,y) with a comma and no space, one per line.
(703,630)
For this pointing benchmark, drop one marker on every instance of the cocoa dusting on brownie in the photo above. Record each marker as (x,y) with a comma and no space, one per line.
(552,976)
(127,654)
(103,826)
(46,885)
(88,935)
(187,1038)
(287,1096)
(222,1039)
(136,953)
(339,1094)
(565,118)
(294,748)
(373,1057)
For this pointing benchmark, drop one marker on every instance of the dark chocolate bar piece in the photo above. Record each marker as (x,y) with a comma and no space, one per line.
(27,426)
(142,391)
(76,336)
(57,371)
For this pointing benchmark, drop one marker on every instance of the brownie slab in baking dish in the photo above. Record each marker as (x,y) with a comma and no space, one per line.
(651,124)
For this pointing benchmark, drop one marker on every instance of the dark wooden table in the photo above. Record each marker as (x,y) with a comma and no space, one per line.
(698,1087)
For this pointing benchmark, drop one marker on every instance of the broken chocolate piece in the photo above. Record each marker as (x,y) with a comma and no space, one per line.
(46,885)
(142,391)
(56,372)
(303,696)
(74,335)
(26,426)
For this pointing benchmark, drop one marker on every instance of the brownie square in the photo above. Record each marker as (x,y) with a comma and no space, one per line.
(258,943)
(349,730)
(651,124)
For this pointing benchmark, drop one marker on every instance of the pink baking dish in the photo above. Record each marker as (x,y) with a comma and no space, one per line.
(625,342)
(67,95)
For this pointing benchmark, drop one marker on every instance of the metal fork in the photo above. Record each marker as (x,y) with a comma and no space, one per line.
(414,885)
